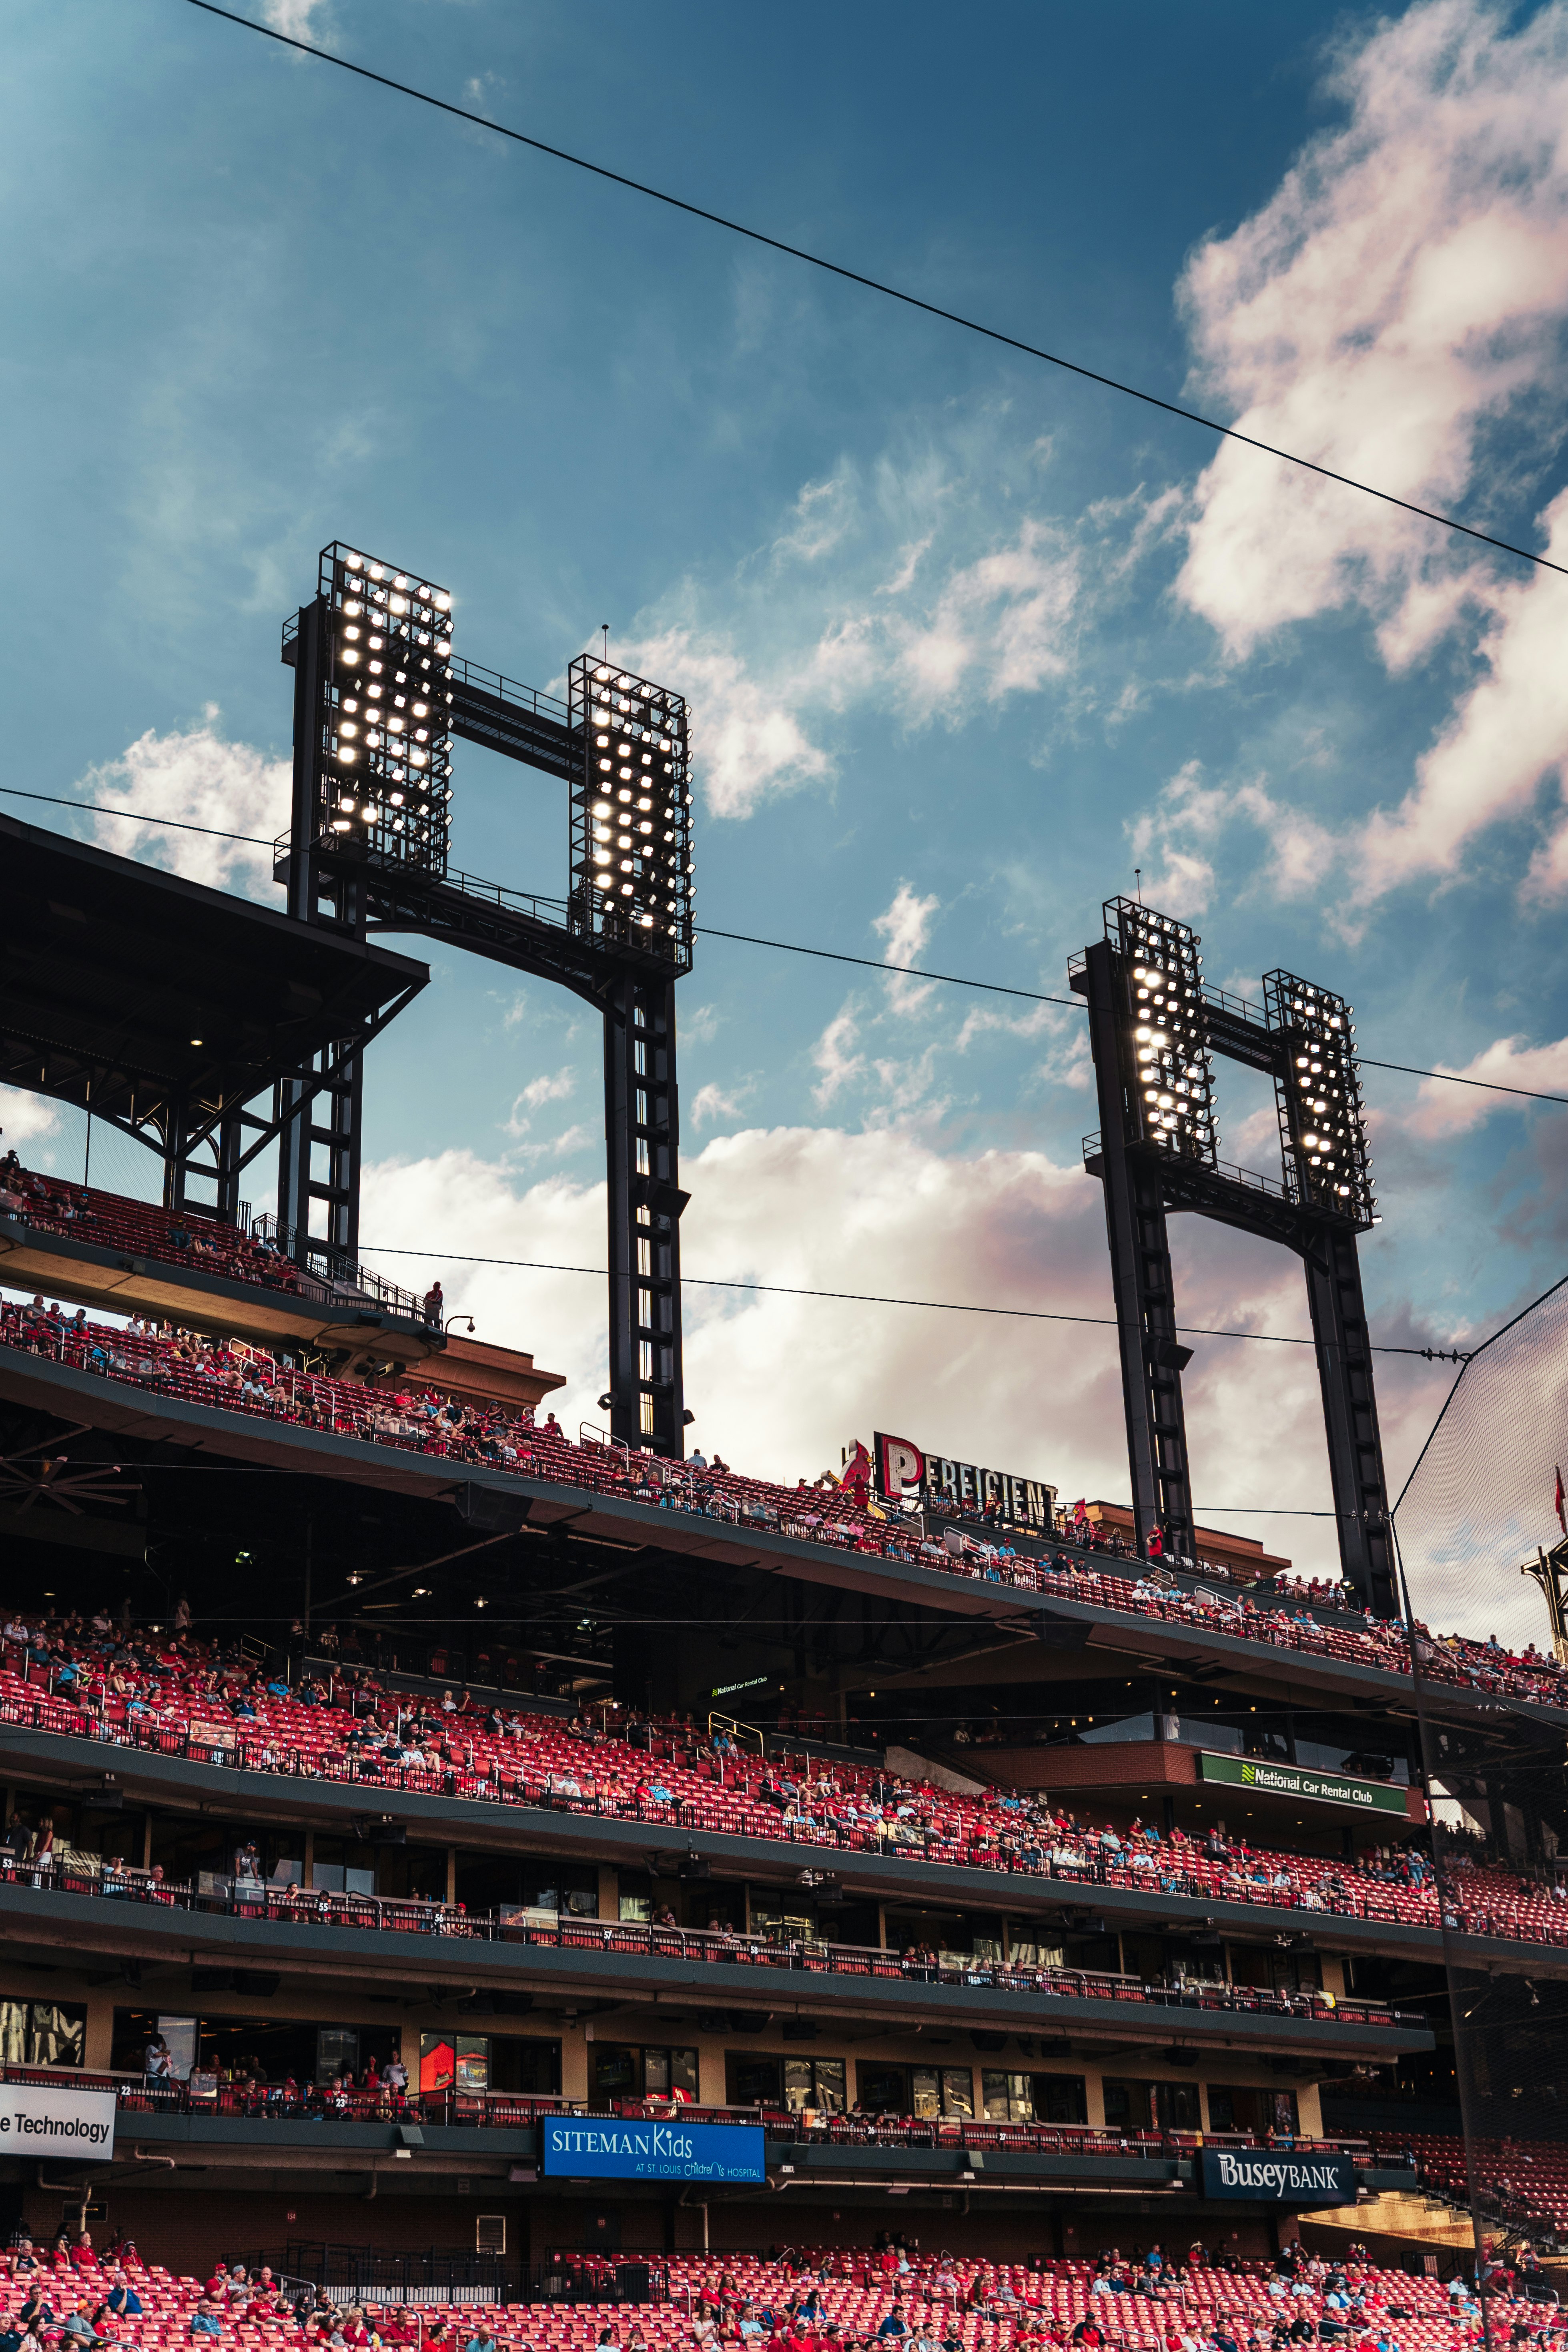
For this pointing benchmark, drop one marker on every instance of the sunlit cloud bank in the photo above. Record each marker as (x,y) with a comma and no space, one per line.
(780,1384)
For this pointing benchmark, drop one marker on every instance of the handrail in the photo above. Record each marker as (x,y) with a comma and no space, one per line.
(738,1731)
(340,1278)
(266,1902)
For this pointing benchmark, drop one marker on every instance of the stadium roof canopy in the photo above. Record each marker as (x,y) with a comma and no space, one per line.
(162,1006)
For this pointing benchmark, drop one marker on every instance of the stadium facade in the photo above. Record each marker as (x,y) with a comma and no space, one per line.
(480,1839)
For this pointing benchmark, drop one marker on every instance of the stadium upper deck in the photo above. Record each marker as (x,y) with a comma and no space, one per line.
(164,1697)
(263,1397)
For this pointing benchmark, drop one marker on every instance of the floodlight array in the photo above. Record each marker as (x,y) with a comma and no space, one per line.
(631,810)
(385,711)
(1317,1088)
(1165,1050)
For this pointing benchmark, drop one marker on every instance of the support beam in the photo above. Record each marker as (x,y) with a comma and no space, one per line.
(318,1153)
(642,1143)
(1143,1285)
(1350,1413)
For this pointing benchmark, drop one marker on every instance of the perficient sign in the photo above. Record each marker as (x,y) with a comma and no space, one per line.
(905,1473)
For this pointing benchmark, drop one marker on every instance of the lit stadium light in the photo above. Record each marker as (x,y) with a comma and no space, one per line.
(385,711)
(1168,1073)
(1317,1087)
(631,810)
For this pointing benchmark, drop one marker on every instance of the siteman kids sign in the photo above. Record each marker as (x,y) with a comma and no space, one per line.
(36,2119)
(593,2147)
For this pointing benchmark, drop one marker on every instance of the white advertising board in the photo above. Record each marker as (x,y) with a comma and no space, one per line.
(43,2119)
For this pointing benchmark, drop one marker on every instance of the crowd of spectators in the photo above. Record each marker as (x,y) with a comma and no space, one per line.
(120,1683)
(868,2299)
(173,1237)
(235,1378)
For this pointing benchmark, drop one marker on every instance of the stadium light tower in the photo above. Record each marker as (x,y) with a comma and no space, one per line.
(1154,1029)
(378,698)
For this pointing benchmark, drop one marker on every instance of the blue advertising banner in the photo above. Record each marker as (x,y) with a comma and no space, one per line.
(606,2148)
(1279,2178)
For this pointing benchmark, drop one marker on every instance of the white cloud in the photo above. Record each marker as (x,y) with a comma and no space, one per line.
(930,608)
(712,1102)
(1508,735)
(905,928)
(535,1095)
(1006,621)
(25,1117)
(1180,832)
(823,513)
(1393,312)
(1508,1062)
(195,777)
(752,742)
(835,1056)
(1400,290)
(699,1026)
(295,18)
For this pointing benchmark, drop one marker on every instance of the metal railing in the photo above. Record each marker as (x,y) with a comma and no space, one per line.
(797,2127)
(370,2274)
(340,1278)
(1248,1178)
(1240,1008)
(537,905)
(507,690)
(270,1904)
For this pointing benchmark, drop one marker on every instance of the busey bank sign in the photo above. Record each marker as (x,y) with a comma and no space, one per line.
(905,1472)
(1278,2180)
(37,2119)
(1296,1780)
(594,2147)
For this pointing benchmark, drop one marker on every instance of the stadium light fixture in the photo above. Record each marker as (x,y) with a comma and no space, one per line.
(631,810)
(1167,1067)
(1317,1089)
(385,711)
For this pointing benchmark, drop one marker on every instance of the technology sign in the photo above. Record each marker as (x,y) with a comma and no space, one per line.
(603,2147)
(1295,1781)
(1279,2179)
(36,2119)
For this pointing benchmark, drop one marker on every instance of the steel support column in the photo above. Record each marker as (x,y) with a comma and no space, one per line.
(1142,1285)
(319,1156)
(647,1405)
(1349,1415)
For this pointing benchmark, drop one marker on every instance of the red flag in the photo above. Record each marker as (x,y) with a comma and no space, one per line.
(1557,1501)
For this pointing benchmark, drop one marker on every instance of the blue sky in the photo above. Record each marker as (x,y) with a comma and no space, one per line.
(965,639)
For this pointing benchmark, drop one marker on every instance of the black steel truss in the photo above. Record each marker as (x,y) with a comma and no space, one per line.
(346,886)
(1143,1185)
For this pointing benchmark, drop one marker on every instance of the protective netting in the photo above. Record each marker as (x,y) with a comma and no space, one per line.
(1490,2123)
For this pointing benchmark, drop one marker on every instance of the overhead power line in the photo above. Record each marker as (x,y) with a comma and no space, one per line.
(784,946)
(869,1299)
(1036,996)
(877,285)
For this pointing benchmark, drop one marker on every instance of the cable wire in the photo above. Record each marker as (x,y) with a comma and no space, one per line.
(870,1299)
(877,285)
(784,946)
